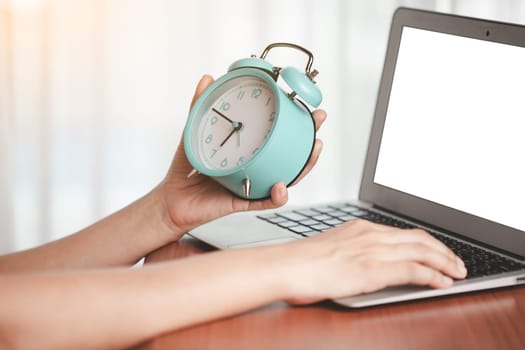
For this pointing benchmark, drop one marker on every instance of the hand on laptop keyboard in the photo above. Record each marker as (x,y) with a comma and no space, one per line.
(361,256)
(312,221)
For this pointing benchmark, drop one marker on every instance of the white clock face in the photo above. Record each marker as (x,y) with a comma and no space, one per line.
(234,124)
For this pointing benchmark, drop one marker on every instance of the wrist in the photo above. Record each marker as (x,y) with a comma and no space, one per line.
(163,219)
(299,262)
(285,270)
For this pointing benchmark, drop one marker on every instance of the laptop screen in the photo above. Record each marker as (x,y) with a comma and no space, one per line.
(454,132)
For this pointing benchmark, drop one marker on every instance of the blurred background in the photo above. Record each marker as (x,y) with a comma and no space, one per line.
(94,94)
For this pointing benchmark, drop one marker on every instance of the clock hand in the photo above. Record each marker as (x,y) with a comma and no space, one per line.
(239,138)
(237,127)
(227,137)
(223,116)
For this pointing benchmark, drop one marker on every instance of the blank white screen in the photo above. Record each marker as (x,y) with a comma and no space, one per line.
(454,131)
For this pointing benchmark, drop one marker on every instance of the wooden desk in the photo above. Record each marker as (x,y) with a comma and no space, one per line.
(485,320)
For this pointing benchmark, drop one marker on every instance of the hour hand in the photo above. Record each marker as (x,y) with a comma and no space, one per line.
(222,115)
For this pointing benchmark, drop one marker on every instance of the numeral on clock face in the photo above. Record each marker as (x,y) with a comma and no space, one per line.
(225,106)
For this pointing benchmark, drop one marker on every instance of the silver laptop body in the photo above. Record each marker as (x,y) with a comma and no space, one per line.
(446,153)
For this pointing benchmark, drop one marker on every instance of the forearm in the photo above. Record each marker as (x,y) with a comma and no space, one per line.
(119,239)
(122,307)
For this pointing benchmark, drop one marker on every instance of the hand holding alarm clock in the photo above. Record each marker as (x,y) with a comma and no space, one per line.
(247,133)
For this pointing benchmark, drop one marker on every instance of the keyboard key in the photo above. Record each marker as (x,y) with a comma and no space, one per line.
(324,209)
(360,213)
(321,217)
(321,227)
(300,229)
(307,212)
(311,233)
(266,216)
(349,209)
(333,222)
(276,219)
(348,217)
(293,216)
(287,224)
(337,213)
(308,222)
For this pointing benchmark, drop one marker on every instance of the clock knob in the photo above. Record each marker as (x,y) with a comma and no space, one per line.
(303,85)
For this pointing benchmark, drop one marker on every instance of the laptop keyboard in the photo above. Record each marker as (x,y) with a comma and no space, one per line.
(312,221)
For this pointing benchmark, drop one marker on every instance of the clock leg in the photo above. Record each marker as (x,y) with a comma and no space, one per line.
(246,187)
(191,173)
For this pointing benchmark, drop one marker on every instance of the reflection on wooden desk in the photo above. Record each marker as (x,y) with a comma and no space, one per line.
(487,320)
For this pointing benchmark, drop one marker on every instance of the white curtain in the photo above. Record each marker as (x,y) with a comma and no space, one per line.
(94,93)
(6,210)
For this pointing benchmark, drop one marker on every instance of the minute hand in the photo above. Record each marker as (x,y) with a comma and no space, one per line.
(237,127)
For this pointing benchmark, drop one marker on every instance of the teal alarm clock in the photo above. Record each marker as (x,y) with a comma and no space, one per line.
(247,132)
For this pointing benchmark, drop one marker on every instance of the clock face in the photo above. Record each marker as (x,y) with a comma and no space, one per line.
(234,122)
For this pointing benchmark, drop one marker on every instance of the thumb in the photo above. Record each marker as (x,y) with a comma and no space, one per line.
(205,81)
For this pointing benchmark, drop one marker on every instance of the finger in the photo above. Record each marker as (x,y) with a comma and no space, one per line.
(414,273)
(392,235)
(420,252)
(205,81)
(278,198)
(319,116)
(314,157)
(388,234)
(421,236)
(364,226)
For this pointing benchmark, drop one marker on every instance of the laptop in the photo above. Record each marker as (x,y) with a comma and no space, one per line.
(446,153)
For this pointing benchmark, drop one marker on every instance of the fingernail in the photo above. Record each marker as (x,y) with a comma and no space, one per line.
(460,265)
(282,191)
(319,146)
